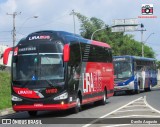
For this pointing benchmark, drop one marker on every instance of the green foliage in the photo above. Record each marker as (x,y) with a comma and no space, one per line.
(5,90)
(158,64)
(121,44)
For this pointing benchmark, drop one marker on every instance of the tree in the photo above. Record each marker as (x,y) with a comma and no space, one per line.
(121,44)
(158,64)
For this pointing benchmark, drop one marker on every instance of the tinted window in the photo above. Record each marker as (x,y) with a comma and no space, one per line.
(100,54)
(75,57)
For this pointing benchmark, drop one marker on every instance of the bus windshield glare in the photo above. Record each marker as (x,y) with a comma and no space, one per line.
(34,67)
(122,69)
(40,64)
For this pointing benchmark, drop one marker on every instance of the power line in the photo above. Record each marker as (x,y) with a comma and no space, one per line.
(5,31)
(51,22)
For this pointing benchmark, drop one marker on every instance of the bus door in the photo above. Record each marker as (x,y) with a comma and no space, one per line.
(74,66)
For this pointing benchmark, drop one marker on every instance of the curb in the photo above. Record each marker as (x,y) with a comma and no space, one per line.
(6,111)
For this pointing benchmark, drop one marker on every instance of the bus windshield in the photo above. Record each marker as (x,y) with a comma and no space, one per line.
(38,65)
(122,69)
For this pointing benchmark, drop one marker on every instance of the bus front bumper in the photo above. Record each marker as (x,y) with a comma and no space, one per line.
(129,86)
(40,107)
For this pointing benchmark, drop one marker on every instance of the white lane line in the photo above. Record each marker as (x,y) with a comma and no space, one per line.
(145,101)
(130,106)
(117,125)
(143,116)
(139,102)
(120,108)
(86,125)
(134,110)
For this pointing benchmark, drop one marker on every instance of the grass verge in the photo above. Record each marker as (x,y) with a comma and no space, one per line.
(5,90)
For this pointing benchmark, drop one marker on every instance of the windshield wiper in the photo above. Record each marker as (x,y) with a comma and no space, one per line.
(25,84)
(50,83)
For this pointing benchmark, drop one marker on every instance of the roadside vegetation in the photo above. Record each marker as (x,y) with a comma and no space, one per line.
(5,90)
(121,43)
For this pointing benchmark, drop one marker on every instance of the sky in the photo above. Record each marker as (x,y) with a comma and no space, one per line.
(55,15)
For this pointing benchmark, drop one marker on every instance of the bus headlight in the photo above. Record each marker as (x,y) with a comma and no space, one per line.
(14,98)
(62,96)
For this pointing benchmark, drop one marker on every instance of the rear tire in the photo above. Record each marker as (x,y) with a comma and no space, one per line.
(32,113)
(149,88)
(103,101)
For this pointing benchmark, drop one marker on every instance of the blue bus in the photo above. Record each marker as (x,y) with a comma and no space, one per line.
(134,74)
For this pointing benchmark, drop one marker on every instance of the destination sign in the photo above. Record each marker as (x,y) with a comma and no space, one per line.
(27,49)
(119,59)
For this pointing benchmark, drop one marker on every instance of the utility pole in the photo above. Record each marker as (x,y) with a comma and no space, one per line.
(73,13)
(142,43)
(142,26)
(14,26)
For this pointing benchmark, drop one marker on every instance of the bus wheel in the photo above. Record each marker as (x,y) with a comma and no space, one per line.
(103,101)
(149,88)
(129,92)
(138,90)
(32,113)
(78,105)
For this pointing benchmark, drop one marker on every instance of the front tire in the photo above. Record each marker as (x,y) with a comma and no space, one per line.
(32,113)
(137,91)
(78,105)
(129,92)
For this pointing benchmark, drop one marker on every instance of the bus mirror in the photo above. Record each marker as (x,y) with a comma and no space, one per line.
(5,55)
(66,53)
(15,51)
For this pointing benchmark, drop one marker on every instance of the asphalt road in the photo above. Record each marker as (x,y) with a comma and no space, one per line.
(121,109)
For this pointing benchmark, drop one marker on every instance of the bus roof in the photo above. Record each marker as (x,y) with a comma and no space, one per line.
(70,36)
(135,57)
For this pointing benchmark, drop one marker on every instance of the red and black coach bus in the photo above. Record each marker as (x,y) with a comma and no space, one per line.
(56,70)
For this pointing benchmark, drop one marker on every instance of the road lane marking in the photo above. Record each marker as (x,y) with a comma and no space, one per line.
(139,102)
(121,107)
(135,106)
(134,110)
(145,101)
(86,125)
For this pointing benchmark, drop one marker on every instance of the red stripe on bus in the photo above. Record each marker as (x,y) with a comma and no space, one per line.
(25,92)
(88,100)
(100,44)
(43,107)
